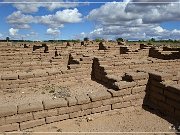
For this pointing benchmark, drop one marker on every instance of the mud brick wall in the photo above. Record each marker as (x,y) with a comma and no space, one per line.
(36,113)
(164,94)
(15,81)
(165,55)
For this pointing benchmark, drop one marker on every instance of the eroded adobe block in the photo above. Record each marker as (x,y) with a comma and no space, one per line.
(80,113)
(30,107)
(157,89)
(142,82)
(32,123)
(101,109)
(121,105)
(45,113)
(7,110)
(174,88)
(19,118)
(138,89)
(123,85)
(95,96)
(57,118)
(9,127)
(71,101)
(82,99)
(9,77)
(2,121)
(54,103)
(121,92)
(26,75)
(91,105)
(136,76)
(112,100)
(172,95)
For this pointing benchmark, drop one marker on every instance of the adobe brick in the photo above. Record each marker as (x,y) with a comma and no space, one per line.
(133,97)
(19,118)
(54,103)
(101,109)
(31,124)
(121,92)
(71,101)
(45,113)
(138,89)
(138,102)
(7,110)
(142,82)
(63,110)
(158,96)
(9,127)
(9,77)
(57,118)
(156,89)
(75,108)
(121,105)
(80,113)
(136,75)
(173,103)
(26,75)
(174,88)
(91,105)
(82,99)
(30,107)
(123,85)
(95,96)
(171,95)
(2,121)
(165,108)
(112,100)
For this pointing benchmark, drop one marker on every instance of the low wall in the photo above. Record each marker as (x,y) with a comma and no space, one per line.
(28,115)
(165,55)
(164,94)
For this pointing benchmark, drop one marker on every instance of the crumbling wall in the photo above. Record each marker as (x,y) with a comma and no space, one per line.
(163,94)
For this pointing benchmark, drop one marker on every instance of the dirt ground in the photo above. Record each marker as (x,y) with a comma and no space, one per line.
(125,121)
(49,91)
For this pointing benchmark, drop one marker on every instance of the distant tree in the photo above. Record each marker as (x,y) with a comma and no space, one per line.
(7,38)
(99,40)
(86,39)
(170,40)
(152,40)
(119,39)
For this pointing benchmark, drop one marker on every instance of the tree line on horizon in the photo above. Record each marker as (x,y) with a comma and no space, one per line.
(97,40)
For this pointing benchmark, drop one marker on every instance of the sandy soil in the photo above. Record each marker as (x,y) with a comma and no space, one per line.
(129,120)
(49,91)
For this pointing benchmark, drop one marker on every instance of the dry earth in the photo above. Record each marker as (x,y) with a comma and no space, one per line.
(50,91)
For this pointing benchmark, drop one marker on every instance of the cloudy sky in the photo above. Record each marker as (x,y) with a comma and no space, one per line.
(76,19)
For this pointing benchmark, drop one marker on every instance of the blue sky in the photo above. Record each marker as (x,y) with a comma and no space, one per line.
(129,19)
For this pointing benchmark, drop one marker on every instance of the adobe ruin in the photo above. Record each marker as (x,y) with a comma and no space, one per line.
(133,75)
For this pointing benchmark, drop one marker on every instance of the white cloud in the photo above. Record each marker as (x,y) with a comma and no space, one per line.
(53,32)
(134,21)
(13,32)
(34,7)
(60,18)
(19,20)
